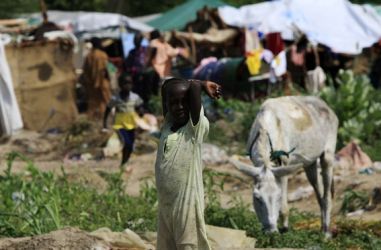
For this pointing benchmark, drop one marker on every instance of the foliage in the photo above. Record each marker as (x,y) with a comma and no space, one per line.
(9,9)
(154,105)
(353,200)
(235,126)
(355,103)
(41,202)
(346,236)
(88,5)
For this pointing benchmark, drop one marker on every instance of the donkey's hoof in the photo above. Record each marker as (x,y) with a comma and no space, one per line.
(283,230)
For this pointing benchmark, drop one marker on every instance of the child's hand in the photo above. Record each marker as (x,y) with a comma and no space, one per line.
(213,89)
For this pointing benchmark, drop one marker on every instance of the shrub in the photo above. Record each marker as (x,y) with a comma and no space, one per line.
(357,106)
(234,127)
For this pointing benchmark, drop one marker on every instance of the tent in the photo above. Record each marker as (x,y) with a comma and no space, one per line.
(178,17)
(80,22)
(338,24)
(378,9)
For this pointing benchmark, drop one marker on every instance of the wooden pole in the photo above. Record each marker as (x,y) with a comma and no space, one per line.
(43,11)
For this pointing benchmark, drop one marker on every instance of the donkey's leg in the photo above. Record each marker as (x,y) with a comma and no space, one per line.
(312,173)
(327,160)
(284,204)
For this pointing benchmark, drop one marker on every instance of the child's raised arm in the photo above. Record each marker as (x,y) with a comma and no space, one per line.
(212,89)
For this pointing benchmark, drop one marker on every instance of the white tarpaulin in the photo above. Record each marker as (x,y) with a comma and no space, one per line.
(338,24)
(10,116)
(82,21)
(265,17)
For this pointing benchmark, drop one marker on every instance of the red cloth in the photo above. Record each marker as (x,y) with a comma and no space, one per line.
(274,43)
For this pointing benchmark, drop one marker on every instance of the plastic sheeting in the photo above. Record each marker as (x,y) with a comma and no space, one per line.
(338,24)
(179,16)
(10,116)
(82,21)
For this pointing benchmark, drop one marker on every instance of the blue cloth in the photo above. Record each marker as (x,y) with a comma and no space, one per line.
(127,42)
(127,137)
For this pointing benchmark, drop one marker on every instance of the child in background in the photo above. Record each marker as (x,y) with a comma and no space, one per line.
(125,105)
(178,167)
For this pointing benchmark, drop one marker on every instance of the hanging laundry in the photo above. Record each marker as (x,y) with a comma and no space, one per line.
(267,56)
(251,40)
(253,61)
(274,43)
(278,66)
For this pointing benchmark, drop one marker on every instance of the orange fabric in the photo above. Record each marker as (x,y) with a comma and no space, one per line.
(96,82)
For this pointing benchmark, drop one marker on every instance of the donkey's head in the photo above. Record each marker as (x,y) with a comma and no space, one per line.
(267,199)
(267,193)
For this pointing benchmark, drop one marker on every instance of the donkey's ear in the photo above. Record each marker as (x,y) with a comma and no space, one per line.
(244,167)
(283,171)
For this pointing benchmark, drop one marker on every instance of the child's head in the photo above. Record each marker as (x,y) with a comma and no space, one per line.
(176,96)
(155,34)
(125,82)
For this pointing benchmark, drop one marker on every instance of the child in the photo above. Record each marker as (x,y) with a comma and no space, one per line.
(178,167)
(125,118)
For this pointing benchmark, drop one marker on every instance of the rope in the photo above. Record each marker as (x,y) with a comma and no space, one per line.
(275,156)
(252,144)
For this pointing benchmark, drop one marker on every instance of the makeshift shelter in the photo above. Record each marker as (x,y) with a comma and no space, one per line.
(378,9)
(10,117)
(44,81)
(178,17)
(338,24)
(82,22)
(86,25)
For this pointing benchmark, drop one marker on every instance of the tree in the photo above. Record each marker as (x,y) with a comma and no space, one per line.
(73,5)
(11,8)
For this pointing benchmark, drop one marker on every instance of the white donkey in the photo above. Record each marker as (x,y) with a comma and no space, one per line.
(287,134)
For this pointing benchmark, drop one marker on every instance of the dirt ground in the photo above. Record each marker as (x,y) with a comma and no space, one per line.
(48,156)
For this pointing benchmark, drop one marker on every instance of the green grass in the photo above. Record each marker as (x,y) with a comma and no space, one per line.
(40,202)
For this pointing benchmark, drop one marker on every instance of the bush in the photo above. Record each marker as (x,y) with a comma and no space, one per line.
(234,127)
(357,106)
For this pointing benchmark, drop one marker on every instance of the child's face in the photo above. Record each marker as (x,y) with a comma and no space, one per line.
(127,86)
(177,103)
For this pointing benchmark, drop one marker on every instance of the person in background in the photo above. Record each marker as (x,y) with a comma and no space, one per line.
(135,64)
(136,59)
(178,167)
(96,80)
(161,54)
(125,103)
